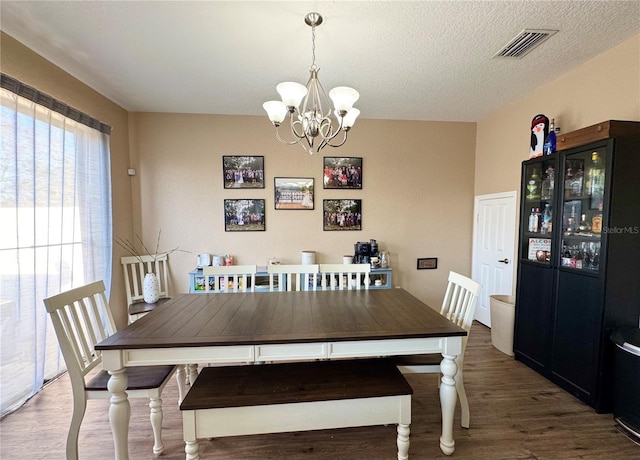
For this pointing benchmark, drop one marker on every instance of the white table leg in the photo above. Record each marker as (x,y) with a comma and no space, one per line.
(403,441)
(192,451)
(448,397)
(192,373)
(119,413)
(181,377)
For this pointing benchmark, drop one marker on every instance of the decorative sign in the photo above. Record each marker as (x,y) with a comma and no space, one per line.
(538,244)
(429,263)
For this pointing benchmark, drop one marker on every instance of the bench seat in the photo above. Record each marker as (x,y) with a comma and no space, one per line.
(275,398)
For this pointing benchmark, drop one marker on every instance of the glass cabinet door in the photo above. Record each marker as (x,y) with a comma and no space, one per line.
(539,194)
(582,209)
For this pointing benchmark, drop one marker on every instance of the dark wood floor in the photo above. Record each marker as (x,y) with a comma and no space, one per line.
(515,414)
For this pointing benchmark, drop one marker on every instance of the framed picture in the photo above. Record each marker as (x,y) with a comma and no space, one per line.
(293,192)
(342,172)
(342,214)
(243,172)
(428,263)
(244,216)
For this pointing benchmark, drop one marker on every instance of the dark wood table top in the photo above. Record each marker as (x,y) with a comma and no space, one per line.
(189,320)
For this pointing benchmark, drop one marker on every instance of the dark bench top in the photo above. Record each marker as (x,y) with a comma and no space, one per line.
(265,384)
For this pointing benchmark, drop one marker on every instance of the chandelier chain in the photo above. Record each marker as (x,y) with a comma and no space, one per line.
(313,47)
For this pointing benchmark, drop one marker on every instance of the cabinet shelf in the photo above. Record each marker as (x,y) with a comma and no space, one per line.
(548,235)
(582,236)
(583,271)
(536,262)
(577,197)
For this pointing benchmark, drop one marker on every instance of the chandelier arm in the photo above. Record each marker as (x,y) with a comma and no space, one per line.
(308,150)
(326,128)
(331,134)
(302,135)
(294,131)
(284,141)
(326,142)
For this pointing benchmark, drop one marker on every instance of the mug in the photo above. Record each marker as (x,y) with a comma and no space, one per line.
(203,260)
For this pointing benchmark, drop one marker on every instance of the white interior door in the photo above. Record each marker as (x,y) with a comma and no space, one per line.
(494,236)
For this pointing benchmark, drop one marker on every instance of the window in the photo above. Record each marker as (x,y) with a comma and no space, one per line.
(55,232)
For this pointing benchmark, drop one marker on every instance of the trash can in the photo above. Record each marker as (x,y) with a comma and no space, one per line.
(503,314)
(626,383)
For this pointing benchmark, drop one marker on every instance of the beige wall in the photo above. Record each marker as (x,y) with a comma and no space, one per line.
(23,64)
(417,194)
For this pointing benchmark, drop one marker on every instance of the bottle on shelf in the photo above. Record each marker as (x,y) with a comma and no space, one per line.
(596,221)
(595,260)
(584,226)
(596,178)
(586,263)
(533,186)
(571,221)
(534,220)
(566,257)
(576,183)
(578,258)
(546,226)
(568,179)
(548,184)
(549,146)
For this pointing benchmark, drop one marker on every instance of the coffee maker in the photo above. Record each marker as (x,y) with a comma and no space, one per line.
(365,251)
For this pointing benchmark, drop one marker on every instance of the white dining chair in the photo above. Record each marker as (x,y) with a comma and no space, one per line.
(293,277)
(230,278)
(81,318)
(135,268)
(345,276)
(459,307)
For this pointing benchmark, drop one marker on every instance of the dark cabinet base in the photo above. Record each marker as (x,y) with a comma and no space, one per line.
(533,316)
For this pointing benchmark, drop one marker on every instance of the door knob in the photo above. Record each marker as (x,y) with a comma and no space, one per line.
(504,261)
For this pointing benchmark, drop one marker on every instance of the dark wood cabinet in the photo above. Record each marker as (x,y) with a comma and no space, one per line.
(579,259)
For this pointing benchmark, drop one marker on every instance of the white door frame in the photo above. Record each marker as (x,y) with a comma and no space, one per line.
(475,272)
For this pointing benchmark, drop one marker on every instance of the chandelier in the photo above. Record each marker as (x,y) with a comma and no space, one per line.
(312,123)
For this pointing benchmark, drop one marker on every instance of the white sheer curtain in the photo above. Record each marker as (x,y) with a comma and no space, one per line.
(55,233)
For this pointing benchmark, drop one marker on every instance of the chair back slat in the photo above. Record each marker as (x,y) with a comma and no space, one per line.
(345,276)
(242,277)
(135,269)
(298,277)
(81,318)
(460,301)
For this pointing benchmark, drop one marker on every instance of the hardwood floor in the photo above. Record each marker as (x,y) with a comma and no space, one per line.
(515,414)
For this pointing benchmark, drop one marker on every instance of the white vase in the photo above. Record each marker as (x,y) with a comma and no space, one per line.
(150,288)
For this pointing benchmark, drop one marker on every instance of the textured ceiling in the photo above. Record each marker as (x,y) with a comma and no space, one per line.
(415,60)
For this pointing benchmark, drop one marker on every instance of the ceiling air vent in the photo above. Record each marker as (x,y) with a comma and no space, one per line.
(524,42)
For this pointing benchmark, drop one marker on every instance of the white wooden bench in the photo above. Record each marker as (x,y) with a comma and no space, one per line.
(276,398)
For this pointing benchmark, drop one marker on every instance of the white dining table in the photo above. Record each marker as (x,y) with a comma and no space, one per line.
(281,326)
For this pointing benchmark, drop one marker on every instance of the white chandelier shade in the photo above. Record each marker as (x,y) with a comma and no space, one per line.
(291,93)
(312,120)
(343,98)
